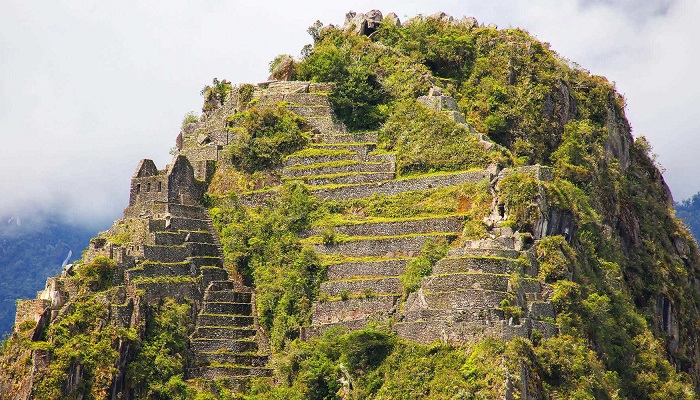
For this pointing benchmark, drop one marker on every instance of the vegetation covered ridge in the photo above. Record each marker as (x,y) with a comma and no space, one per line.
(565,276)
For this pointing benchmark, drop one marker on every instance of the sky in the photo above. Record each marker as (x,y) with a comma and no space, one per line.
(88,88)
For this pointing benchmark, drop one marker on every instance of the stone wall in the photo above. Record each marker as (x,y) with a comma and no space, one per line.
(354,309)
(390,247)
(387,285)
(390,188)
(406,227)
(372,268)
(491,265)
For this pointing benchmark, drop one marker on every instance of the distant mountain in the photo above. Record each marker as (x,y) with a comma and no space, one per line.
(689,211)
(32,249)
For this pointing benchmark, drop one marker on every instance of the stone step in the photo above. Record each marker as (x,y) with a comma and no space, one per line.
(493,265)
(449,224)
(358,137)
(178,224)
(180,210)
(389,267)
(374,286)
(169,254)
(363,149)
(146,270)
(208,274)
(206,261)
(502,253)
(231,370)
(465,298)
(228,296)
(227,308)
(398,186)
(222,285)
(232,345)
(238,321)
(225,332)
(168,238)
(389,246)
(337,168)
(344,178)
(469,280)
(250,360)
(321,157)
(378,307)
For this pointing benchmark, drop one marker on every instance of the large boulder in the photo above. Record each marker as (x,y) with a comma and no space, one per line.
(363,24)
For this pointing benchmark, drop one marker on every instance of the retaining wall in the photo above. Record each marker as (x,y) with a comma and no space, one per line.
(351,309)
(407,227)
(477,264)
(394,187)
(390,247)
(371,268)
(358,286)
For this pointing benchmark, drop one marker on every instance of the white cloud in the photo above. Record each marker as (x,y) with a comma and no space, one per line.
(88,88)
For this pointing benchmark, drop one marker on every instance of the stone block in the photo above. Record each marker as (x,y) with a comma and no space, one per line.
(228,296)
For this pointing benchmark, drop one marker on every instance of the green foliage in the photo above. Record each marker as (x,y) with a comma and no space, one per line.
(427,140)
(417,268)
(158,366)
(215,95)
(555,258)
(263,246)
(519,193)
(266,136)
(98,274)
(189,118)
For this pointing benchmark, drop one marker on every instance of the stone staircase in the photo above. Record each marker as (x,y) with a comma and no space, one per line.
(183,259)
(225,342)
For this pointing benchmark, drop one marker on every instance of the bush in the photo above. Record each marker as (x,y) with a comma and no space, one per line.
(266,135)
(426,140)
(421,266)
(98,274)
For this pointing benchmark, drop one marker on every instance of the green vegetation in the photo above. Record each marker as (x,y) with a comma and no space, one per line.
(615,267)
(263,246)
(421,266)
(266,135)
(426,141)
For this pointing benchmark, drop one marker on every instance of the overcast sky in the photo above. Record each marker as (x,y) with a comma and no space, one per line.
(88,88)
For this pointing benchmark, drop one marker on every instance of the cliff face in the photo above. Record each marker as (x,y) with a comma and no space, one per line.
(452,200)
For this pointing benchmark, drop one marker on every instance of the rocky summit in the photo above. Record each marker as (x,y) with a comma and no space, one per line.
(431,208)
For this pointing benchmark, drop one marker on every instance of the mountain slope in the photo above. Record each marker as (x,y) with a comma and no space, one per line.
(433,209)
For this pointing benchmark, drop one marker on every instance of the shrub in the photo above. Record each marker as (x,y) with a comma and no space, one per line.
(266,135)
(426,140)
(98,274)
(421,266)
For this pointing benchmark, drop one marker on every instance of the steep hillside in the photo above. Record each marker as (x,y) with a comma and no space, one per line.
(428,209)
